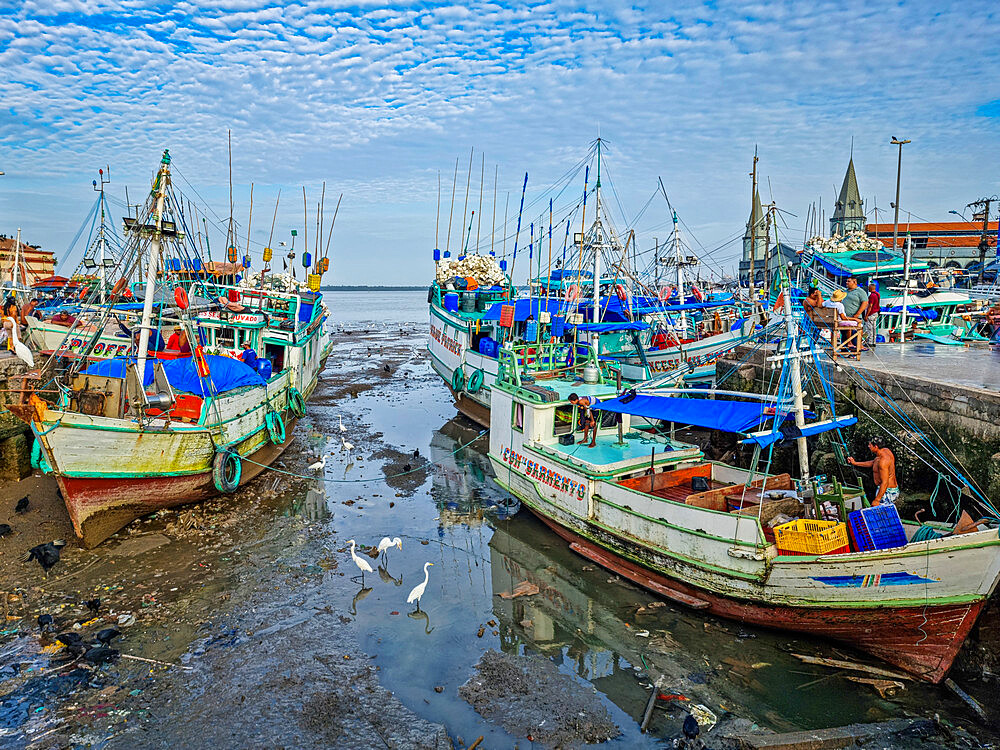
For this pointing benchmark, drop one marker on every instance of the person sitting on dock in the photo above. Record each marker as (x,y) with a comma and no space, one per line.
(883,468)
(587,405)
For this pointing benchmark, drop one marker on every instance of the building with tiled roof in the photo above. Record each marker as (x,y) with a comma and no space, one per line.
(36,264)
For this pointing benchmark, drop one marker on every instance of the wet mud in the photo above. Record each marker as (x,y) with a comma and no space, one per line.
(241,625)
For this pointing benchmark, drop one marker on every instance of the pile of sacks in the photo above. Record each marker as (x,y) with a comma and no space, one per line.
(853,242)
(483,268)
(282,282)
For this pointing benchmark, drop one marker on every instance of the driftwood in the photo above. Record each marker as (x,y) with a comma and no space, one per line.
(852,666)
(885,688)
(970,701)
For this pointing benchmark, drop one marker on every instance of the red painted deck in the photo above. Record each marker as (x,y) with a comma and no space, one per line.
(920,640)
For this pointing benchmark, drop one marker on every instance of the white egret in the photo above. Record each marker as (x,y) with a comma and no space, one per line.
(418,590)
(347,446)
(21,351)
(319,465)
(386,543)
(362,564)
(341,422)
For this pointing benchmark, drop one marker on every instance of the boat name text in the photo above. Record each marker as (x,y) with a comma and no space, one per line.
(543,474)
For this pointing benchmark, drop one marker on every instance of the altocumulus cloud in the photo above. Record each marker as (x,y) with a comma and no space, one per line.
(377,97)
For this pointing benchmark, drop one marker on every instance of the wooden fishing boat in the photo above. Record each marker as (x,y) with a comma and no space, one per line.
(632,505)
(128,436)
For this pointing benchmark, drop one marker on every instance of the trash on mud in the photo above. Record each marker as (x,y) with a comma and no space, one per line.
(524,588)
(530,696)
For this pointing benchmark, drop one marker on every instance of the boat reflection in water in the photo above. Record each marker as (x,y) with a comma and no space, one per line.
(461,489)
(591,625)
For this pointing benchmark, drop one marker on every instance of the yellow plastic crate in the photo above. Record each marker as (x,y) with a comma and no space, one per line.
(807,537)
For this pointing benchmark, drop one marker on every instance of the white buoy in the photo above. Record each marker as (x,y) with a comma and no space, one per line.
(418,590)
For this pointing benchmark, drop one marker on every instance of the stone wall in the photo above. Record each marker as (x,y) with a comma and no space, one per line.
(15,435)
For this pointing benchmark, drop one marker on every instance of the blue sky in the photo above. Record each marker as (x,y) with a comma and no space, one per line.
(378,98)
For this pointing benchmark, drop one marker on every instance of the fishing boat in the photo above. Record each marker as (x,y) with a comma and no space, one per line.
(593,295)
(654,510)
(127,436)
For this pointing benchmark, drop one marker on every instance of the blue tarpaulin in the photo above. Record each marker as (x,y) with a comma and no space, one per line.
(714,414)
(612,327)
(226,373)
(525,307)
(790,431)
(913,312)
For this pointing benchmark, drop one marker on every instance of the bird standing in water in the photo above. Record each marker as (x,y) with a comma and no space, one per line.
(386,544)
(362,564)
(319,465)
(340,421)
(418,590)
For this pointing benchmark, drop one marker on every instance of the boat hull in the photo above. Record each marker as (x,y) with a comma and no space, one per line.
(100,506)
(921,640)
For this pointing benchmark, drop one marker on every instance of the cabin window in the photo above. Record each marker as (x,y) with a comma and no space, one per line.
(562,421)
(517,417)
(225,338)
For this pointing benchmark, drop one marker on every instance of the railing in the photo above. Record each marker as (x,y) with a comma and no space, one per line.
(551,360)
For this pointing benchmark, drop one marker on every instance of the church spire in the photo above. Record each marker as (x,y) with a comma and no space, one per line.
(755,230)
(849,212)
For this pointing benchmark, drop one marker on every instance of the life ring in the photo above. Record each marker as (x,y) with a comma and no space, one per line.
(181,298)
(296,403)
(118,287)
(227,470)
(696,293)
(275,427)
(572,293)
(83,293)
(458,379)
(475,381)
(620,291)
(666,292)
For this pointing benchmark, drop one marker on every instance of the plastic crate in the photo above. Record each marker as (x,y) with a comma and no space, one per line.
(877,527)
(807,537)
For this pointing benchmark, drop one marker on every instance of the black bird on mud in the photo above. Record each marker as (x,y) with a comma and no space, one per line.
(5,529)
(73,642)
(46,554)
(22,505)
(92,604)
(101,654)
(107,635)
(45,622)
(690,728)
(385,368)
(416,453)
(406,468)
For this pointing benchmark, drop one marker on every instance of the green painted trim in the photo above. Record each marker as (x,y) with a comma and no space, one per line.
(541,450)
(695,532)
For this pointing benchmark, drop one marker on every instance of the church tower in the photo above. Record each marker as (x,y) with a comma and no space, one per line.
(849,211)
(756,219)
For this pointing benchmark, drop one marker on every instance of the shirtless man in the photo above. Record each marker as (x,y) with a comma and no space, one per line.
(587,406)
(883,468)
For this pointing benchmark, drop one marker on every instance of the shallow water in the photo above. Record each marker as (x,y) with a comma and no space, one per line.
(278,600)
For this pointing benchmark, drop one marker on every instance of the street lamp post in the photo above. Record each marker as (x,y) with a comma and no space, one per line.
(899,169)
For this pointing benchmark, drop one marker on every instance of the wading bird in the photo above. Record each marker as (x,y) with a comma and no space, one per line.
(340,421)
(418,590)
(386,543)
(319,465)
(362,564)
(20,350)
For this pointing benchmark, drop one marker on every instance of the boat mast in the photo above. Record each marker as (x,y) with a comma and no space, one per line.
(17,262)
(792,331)
(101,237)
(160,186)
(680,272)
(597,241)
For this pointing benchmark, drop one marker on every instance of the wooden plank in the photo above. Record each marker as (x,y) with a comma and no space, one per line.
(852,666)
(836,737)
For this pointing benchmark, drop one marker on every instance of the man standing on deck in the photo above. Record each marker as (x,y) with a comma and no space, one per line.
(855,301)
(587,406)
(871,316)
(883,468)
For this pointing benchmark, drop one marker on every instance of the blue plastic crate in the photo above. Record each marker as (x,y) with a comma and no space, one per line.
(877,527)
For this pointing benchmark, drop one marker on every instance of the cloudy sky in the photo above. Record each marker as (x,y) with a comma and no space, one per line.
(379,99)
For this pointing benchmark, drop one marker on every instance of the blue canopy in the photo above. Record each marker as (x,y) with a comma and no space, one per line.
(913,312)
(226,373)
(715,414)
(612,327)
(525,307)
(790,431)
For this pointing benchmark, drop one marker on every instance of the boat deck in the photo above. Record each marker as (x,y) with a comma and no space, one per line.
(608,454)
